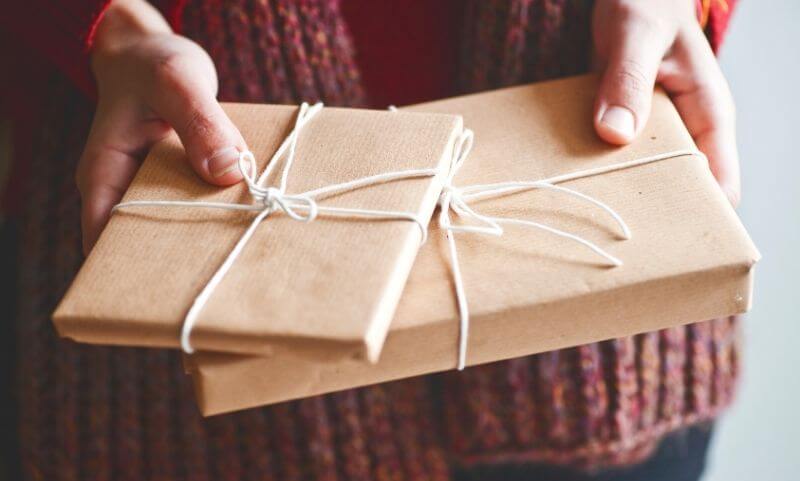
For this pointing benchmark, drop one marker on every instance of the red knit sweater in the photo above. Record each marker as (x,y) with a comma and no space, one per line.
(89,412)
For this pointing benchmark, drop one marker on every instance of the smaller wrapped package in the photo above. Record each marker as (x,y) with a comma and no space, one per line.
(328,286)
(688,257)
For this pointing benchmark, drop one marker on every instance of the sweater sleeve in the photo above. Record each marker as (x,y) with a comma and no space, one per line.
(38,37)
(714,16)
(60,33)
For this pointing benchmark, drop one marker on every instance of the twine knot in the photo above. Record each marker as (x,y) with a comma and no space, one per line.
(300,207)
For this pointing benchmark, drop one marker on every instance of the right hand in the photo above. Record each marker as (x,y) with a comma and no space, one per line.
(639,43)
(149,81)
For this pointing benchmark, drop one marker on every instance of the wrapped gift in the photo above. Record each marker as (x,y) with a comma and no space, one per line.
(530,290)
(321,270)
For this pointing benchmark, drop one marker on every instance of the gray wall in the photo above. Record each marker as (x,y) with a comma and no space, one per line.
(760,438)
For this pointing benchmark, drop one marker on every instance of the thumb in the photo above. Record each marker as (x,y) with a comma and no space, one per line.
(626,89)
(211,140)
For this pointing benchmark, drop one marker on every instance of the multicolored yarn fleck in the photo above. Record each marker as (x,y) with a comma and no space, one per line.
(104,413)
(595,405)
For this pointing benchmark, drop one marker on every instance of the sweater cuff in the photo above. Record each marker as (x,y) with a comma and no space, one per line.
(61,32)
(714,16)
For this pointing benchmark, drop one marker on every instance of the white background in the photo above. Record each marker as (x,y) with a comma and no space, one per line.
(759,439)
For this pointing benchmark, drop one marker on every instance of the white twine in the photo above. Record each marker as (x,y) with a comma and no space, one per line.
(457,200)
(266,200)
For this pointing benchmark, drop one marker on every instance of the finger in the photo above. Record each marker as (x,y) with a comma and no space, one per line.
(186,99)
(104,174)
(636,49)
(719,145)
(702,96)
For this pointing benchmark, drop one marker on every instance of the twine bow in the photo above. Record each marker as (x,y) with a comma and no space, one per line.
(458,199)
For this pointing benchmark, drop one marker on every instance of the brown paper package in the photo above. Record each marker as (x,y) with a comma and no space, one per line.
(333,282)
(689,258)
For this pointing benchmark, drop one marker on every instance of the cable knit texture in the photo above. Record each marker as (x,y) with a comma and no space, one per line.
(102,413)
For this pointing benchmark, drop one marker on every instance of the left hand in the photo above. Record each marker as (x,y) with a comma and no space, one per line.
(640,42)
(149,82)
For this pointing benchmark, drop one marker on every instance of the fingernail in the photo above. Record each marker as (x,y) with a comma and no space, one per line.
(223,162)
(619,119)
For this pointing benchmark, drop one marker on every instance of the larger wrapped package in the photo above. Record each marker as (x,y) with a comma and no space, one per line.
(688,257)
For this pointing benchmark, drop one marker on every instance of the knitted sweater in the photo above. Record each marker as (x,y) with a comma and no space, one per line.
(89,412)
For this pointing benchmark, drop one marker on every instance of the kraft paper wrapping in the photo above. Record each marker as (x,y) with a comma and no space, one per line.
(329,286)
(689,258)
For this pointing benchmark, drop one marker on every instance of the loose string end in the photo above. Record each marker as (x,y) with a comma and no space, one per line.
(186,345)
(423,229)
(626,231)
(612,260)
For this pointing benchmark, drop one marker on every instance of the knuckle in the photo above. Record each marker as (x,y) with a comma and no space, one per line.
(168,71)
(632,78)
(199,124)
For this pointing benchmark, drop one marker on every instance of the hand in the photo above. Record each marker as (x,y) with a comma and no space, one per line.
(641,42)
(149,82)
